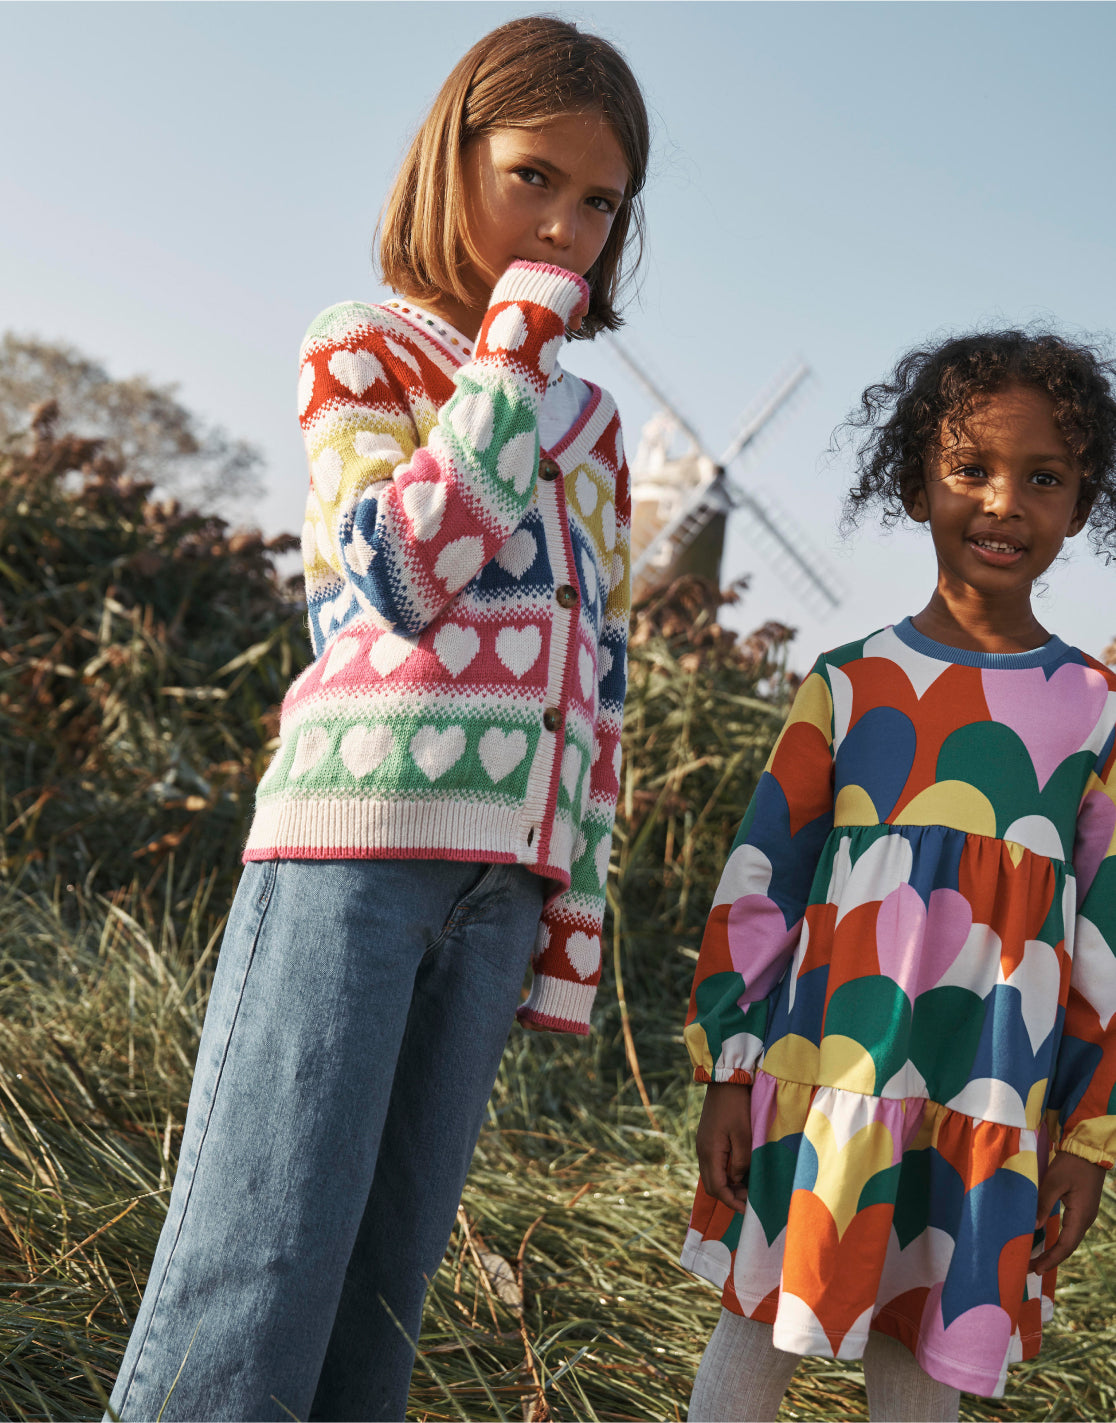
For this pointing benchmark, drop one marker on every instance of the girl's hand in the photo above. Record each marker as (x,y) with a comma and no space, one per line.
(581,306)
(724,1143)
(1078,1184)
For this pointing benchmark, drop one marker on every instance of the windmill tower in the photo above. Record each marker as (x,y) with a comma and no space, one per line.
(681,501)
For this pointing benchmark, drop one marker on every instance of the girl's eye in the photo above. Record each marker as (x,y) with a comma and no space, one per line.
(1046,478)
(530,175)
(605,205)
(970,471)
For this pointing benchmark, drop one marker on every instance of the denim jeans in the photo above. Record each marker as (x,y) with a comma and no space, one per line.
(358,1014)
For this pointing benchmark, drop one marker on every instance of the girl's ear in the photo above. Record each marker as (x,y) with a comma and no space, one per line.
(1083,510)
(917,505)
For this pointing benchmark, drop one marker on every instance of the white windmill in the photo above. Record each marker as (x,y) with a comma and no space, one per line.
(681,501)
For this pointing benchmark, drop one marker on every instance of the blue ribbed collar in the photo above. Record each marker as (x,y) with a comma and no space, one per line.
(1037,657)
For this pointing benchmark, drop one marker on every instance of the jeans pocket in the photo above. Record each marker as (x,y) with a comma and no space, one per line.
(472,890)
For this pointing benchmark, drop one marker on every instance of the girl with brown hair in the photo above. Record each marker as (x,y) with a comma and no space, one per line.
(439,811)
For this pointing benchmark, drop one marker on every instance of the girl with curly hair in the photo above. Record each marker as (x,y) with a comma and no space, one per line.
(905,1001)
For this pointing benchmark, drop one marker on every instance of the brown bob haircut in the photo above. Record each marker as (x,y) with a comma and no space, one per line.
(517,76)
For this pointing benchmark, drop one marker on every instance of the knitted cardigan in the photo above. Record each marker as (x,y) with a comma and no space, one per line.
(468,609)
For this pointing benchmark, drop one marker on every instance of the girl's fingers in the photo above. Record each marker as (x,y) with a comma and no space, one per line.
(732,1177)
(1071,1235)
(724,1143)
(738,1167)
(1078,1185)
(722,1176)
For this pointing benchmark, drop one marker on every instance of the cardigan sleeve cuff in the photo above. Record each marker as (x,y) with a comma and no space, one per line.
(564,293)
(556,1006)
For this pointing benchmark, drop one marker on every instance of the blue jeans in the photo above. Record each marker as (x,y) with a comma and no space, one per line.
(358,1014)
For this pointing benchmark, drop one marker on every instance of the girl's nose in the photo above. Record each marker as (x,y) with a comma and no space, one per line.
(1001,497)
(558,226)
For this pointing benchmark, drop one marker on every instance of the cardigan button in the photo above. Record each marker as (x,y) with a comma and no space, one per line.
(567,596)
(552,718)
(548,469)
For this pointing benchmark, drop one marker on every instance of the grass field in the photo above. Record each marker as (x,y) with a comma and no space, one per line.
(560,1296)
(133,725)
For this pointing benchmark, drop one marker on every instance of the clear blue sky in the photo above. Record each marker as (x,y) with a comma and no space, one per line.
(186,185)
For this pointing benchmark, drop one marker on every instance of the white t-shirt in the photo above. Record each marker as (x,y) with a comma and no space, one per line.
(566,397)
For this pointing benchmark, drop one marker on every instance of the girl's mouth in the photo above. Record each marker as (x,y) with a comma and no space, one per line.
(994,549)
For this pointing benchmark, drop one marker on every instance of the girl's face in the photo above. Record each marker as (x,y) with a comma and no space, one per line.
(1000,496)
(545,194)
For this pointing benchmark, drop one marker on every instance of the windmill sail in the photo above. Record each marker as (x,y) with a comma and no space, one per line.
(681,500)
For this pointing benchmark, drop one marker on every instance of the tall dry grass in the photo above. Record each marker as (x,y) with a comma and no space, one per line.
(560,1295)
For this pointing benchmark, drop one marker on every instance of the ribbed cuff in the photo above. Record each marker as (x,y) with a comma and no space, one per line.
(564,293)
(737,1076)
(557,1005)
(1097,1155)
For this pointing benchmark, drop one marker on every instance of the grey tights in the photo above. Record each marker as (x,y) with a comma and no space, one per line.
(742,1378)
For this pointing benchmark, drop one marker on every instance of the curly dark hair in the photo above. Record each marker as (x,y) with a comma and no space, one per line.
(900,422)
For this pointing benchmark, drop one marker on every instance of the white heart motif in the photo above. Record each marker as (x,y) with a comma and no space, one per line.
(389,652)
(571,769)
(374,444)
(402,354)
(586,492)
(584,953)
(589,572)
(518,648)
(335,611)
(459,561)
(585,673)
(436,751)
(340,655)
(507,330)
(471,418)
(518,554)
(604,662)
(516,461)
(355,370)
(548,354)
(456,646)
(502,751)
(425,503)
(617,758)
(360,553)
(601,856)
(305,387)
(364,748)
(608,526)
(561,837)
(313,743)
(326,470)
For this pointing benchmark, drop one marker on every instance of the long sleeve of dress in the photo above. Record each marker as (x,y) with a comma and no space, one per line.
(1084,1087)
(756,922)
